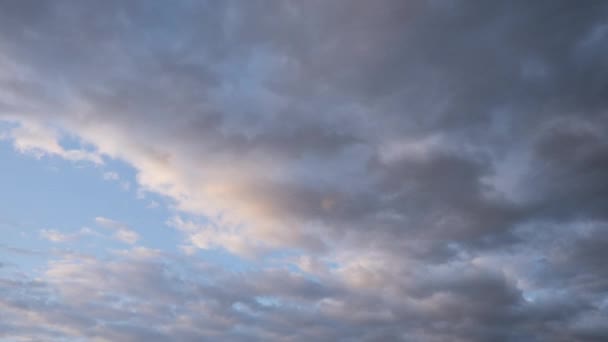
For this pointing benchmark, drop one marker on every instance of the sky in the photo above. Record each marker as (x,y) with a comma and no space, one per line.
(392,170)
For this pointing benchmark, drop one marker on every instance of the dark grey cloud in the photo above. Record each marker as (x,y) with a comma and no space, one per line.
(448,156)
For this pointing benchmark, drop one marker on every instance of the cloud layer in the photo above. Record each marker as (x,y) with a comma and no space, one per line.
(432,170)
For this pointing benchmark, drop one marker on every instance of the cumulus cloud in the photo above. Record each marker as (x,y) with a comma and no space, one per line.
(436,167)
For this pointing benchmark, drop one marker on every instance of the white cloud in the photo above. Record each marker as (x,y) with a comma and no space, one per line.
(39,140)
(111,176)
(127,236)
(109,223)
(55,236)
(122,232)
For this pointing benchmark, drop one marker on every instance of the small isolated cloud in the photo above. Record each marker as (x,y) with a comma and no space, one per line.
(122,232)
(109,223)
(127,236)
(56,236)
(152,205)
(115,177)
(111,176)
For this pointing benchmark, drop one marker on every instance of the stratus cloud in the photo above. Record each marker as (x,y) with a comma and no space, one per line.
(428,160)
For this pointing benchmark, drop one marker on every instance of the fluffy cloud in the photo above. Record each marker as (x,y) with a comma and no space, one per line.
(438,167)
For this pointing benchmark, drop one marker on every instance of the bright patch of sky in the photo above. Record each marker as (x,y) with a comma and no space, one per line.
(50,205)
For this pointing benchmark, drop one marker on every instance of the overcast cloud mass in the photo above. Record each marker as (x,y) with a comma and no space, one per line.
(356,170)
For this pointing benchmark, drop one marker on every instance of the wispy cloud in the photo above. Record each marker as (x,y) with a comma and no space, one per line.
(122,232)
(56,236)
(111,176)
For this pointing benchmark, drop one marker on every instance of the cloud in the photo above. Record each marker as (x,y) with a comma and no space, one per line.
(122,232)
(39,140)
(127,236)
(436,169)
(152,205)
(56,236)
(134,288)
(111,176)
